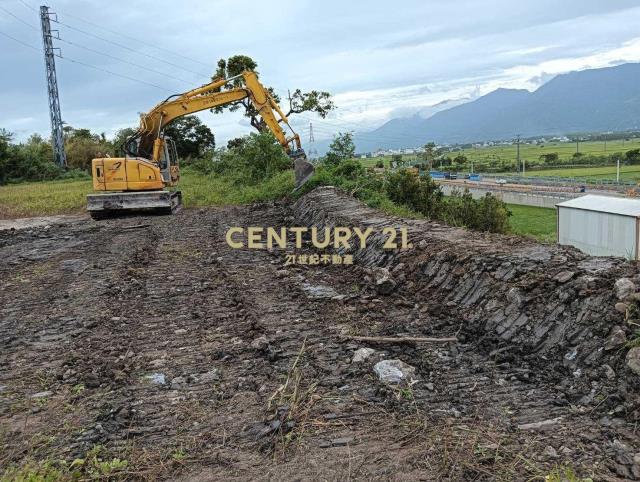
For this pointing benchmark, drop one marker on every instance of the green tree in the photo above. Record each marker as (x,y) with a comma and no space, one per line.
(316,101)
(550,158)
(29,161)
(419,193)
(191,136)
(260,156)
(430,153)
(81,146)
(121,136)
(460,161)
(396,159)
(341,148)
(632,156)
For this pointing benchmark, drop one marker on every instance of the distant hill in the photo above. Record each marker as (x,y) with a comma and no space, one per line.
(594,100)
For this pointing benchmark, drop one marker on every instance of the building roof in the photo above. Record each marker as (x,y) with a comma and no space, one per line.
(605,204)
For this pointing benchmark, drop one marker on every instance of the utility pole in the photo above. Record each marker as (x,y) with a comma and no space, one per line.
(52,87)
(518,151)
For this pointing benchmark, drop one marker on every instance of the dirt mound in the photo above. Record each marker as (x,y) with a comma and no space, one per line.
(551,306)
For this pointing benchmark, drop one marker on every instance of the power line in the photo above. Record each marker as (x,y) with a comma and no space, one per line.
(136,39)
(326,129)
(68,59)
(122,60)
(19,19)
(98,51)
(28,6)
(126,47)
(115,73)
(21,42)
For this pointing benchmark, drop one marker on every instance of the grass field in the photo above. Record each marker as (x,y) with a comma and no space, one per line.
(69,196)
(565,150)
(607,172)
(539,223)
(43,198)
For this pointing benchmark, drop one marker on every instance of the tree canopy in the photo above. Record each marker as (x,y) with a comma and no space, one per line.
(192,137)
(316,101)
(341,148)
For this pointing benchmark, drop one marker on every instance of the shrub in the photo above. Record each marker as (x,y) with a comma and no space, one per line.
(419,193)
(260,156)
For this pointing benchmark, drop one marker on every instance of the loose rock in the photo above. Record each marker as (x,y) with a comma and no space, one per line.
(361,354)
(260,343)
(41,395)
(178,383)
(156,378)
(564,276)
(210,376)
(615,339)
(393,371)
(624,287)
(621,307)
(633,360)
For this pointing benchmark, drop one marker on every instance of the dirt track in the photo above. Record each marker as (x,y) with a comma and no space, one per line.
(152,338)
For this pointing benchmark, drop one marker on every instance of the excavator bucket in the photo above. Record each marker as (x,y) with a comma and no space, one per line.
(303,170)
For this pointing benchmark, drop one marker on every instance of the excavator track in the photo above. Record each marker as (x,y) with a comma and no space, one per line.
(115,204)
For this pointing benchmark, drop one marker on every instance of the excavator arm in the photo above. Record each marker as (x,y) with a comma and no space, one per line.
(149,136)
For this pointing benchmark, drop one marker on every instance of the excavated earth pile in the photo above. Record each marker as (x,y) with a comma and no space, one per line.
(148,348)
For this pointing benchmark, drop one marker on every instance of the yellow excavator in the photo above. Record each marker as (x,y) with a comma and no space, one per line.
(141,180)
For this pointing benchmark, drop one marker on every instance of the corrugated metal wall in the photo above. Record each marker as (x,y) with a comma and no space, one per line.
(596,233)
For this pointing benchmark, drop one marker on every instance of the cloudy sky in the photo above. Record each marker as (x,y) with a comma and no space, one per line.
(380,59)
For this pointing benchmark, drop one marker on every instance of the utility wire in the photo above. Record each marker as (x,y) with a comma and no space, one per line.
(99,53)
(20,41)
(135,39)
(28,6)
(126,47)
(116,74)
(19,19)
(326,129)
(123,61)
(95,67)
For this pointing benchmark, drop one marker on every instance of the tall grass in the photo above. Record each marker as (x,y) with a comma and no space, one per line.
(220,190)
(43,198)
(69,196)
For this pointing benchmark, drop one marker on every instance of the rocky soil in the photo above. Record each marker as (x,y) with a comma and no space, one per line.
(149,349)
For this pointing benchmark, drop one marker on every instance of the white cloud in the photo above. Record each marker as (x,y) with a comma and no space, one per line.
(379,60)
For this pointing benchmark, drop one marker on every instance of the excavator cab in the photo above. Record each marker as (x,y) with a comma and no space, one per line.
(169,162)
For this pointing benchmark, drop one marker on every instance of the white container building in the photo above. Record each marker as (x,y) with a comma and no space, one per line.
(601,225)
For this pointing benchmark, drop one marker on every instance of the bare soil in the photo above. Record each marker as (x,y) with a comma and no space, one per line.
(152,339)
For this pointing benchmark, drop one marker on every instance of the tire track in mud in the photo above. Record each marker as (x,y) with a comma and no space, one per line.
(173,299)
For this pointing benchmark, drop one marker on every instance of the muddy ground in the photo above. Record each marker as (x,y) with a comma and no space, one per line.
(149,340)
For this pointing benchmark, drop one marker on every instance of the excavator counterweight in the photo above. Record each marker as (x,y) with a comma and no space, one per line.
(141,180)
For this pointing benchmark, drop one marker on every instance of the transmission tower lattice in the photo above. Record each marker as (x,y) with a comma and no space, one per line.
(52,87)
(313,152)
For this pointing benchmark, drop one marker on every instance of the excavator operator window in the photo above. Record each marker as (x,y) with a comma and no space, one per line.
(173,152)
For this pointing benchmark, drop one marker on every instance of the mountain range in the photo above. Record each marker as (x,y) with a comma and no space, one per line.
(595,100)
